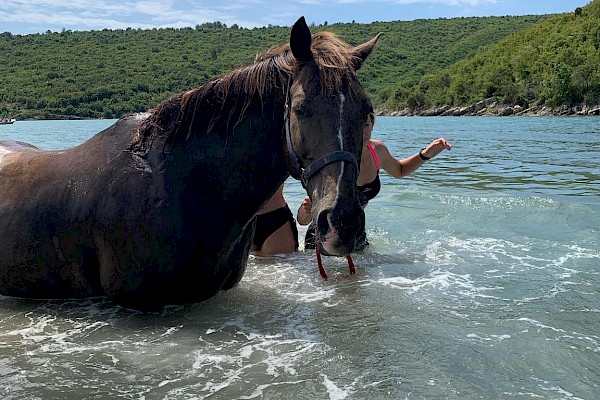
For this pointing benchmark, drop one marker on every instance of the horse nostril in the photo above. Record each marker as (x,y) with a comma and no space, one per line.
(323,222)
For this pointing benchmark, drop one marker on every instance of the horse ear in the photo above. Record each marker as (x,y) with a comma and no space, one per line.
(300,41)
(362,51)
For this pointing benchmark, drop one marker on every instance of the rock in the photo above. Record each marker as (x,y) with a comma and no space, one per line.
(490,106)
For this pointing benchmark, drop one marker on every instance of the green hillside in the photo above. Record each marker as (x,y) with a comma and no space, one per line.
(554,63)
(109,73)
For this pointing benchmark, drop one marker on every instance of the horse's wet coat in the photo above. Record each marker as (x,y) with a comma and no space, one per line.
(159,208)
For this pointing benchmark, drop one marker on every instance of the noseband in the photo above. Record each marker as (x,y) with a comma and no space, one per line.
(295,167)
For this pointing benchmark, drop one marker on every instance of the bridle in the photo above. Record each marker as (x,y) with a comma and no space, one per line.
(305,174)
(295,167)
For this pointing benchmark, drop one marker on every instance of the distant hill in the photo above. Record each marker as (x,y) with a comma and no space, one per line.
(554,63)
(110,73)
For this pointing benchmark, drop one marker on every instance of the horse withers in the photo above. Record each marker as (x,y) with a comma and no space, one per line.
(159,208)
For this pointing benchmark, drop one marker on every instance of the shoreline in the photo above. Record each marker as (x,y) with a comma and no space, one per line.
(491,108)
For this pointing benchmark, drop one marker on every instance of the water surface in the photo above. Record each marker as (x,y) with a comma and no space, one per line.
(482,281)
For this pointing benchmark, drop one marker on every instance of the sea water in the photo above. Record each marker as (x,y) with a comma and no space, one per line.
(482,281)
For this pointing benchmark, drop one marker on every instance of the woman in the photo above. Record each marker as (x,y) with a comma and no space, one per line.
(276,230)
(375,155)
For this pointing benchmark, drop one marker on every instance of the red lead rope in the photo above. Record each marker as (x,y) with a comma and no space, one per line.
(322,270)
(320,262)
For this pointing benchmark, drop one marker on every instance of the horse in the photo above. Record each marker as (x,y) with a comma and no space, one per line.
(159,208)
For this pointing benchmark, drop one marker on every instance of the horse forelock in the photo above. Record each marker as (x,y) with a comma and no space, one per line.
(334,59)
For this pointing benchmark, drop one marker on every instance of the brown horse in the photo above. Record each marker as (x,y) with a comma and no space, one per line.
(159,208)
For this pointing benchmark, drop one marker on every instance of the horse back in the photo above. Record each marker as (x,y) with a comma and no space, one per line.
(16,145)
(47,213)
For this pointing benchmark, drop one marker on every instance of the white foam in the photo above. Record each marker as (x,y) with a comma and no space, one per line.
(334,391)
(224,364)
(438,279)
(496,203)
(540,325)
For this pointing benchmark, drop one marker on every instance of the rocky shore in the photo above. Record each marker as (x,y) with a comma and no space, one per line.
(491,107)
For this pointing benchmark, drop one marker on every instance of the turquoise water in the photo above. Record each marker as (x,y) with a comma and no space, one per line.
(482,281)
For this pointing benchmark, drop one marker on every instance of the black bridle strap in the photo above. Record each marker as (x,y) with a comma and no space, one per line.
(335,156)
(294,164)
(296,170)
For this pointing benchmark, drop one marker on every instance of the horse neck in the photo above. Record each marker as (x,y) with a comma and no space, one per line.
(241,154)
(262,158)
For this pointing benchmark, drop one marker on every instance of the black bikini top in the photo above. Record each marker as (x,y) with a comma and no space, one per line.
(371,189)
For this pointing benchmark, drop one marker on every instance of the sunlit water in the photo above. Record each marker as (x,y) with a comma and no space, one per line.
(482,281)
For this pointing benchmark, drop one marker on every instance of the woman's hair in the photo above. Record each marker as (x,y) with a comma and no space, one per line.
(371,117)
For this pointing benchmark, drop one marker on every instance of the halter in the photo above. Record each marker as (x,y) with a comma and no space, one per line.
(305,174)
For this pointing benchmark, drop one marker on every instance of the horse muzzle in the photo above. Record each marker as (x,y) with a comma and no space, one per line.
(338,230)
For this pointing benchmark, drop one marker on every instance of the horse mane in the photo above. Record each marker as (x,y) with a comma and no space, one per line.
(334,59)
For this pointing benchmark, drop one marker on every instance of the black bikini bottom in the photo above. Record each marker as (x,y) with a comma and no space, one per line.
(268,223)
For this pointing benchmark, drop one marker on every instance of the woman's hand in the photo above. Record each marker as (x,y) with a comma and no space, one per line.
(303,216)
(434,148)
(307,204)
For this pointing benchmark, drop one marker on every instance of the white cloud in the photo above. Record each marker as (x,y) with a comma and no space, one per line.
(114,14)
(402,2)
(29,16)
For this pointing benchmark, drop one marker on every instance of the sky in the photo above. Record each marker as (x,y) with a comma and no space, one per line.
(38,16)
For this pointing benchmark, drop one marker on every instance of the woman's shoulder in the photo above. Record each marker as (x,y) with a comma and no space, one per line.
(378,145)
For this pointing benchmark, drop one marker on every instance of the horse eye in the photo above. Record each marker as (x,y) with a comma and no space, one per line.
(301,112)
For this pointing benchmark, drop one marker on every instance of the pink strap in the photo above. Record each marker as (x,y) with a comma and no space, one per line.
(374,154)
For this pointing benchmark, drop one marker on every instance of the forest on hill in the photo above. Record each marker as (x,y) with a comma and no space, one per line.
(555,63)
(110,73)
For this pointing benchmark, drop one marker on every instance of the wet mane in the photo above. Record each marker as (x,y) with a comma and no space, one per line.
(334,59)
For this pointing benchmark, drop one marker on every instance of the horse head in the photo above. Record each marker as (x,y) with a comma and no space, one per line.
(326,109)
